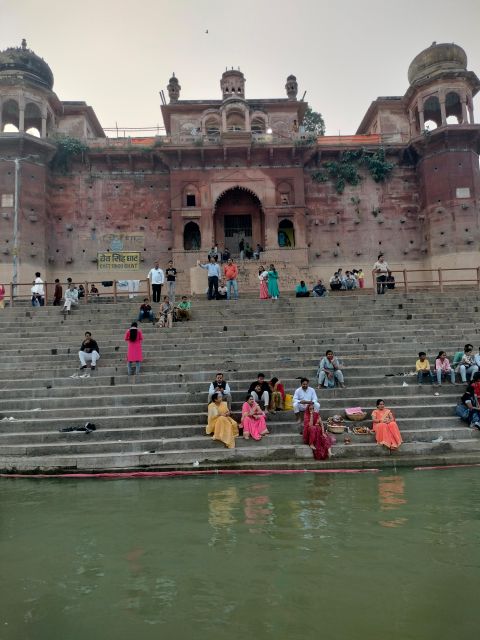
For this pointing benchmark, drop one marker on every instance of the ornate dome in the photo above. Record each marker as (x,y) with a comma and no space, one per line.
(438,57)
(32,66)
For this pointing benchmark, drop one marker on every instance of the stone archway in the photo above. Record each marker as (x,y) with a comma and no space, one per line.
(238,215)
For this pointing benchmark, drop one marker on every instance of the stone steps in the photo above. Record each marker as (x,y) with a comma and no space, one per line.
(165,410)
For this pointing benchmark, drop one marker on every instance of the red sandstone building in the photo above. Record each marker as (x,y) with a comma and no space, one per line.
(233,168)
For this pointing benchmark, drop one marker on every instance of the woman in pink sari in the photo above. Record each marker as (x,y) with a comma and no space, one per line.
(385,428)
(315,435)
(263,277)
(253,420)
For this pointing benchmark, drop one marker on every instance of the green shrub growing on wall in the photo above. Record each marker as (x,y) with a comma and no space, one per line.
(68,149)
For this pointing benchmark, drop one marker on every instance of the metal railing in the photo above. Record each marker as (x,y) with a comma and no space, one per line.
(409,280)
(112,293)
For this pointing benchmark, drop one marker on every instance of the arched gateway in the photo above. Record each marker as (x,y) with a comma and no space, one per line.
(238,215)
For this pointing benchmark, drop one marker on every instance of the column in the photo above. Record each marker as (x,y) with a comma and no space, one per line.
(43,132)
(271,230)
(21,119)
(443,112)
(224,120)
(422,120)
(470,111)
(247,120)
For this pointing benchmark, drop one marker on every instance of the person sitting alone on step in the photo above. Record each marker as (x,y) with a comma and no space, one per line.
(319,290)
(89,352)
(329,371)
(222,290)
(146,312)
(71,298)
(422,367)
(94,292)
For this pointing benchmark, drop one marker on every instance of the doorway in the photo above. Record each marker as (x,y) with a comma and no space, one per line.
(237,227)
(238,215)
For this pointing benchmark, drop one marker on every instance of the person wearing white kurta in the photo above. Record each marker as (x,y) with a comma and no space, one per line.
(303,397)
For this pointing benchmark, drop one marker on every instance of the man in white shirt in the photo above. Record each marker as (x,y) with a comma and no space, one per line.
(381,270)
(220,385)
(38,289)
(213,272)
(71,298)
(157,278)
(304,396)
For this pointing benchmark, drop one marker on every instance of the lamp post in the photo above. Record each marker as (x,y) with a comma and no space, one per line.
(16,161)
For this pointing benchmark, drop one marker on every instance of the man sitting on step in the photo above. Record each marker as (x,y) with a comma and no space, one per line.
(303,397)
(261,395)
(89,352)
(71,298)
(220,385)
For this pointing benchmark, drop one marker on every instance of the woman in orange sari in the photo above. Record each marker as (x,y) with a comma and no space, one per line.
(220,424)
(385,428)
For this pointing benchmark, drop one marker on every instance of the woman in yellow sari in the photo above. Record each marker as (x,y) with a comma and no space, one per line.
(220,424)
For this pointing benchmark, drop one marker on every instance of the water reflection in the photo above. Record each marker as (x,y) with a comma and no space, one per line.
(221,515)
(311,513)
(391,496)
(258,509)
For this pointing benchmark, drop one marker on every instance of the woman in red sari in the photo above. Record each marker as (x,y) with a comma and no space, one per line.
(385,428)
(253,420)
(315,435)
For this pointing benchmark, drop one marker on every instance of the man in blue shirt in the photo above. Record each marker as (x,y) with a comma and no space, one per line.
(213,272)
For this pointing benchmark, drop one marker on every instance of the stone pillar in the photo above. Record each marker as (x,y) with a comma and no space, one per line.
(300,225)
(224,120)
(271,230)
(464,110)
(470,111)
(206,229)
(443,112)
(178,224)
(247,120)
(21,119)
(43,132)
(422,120)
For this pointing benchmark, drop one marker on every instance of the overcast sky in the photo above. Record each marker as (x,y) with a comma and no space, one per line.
(117,56)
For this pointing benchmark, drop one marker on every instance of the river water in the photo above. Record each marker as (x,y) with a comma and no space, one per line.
(375,556)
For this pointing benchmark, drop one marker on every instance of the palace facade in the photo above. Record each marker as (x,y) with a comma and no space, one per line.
(235,168)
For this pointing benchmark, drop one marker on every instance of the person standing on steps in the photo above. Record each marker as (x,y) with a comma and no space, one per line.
(273,290)
(58,293)
(230,271)
(133,337)
(157,278)
(241,249)
(89,352)
(213,272)
(38,289)
(171,274)
(381,269)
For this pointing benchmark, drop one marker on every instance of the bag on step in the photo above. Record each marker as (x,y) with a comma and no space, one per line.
(288,404)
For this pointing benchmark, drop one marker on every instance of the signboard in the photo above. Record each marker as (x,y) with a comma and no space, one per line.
(122,260)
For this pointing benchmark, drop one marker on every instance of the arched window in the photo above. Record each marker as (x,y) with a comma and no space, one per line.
(10,116)
(33,131)
(453,108)
(235,121)
(431,111)
(430,125)
(286,234)
(258,126)
(192,239)
(212,126)
(33,117)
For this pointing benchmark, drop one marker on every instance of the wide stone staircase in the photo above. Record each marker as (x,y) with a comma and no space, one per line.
(157,422)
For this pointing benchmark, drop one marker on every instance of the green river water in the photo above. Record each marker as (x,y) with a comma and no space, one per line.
(375,556)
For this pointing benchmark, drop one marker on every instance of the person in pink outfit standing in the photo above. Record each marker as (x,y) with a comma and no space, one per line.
(134,337)
(263,277)
(253,420)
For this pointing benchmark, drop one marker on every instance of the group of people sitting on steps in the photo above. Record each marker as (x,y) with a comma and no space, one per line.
(466,363)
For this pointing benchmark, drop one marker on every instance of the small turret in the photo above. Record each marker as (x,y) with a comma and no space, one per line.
(232,84)
(173,89)
(291,87)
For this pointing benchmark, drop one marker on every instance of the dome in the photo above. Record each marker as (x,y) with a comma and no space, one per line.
(32,66)
(438,57)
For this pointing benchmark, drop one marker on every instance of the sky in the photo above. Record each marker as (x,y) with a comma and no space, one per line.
(117,56)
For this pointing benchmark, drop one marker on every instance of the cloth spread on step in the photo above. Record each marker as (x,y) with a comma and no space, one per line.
(88,427)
